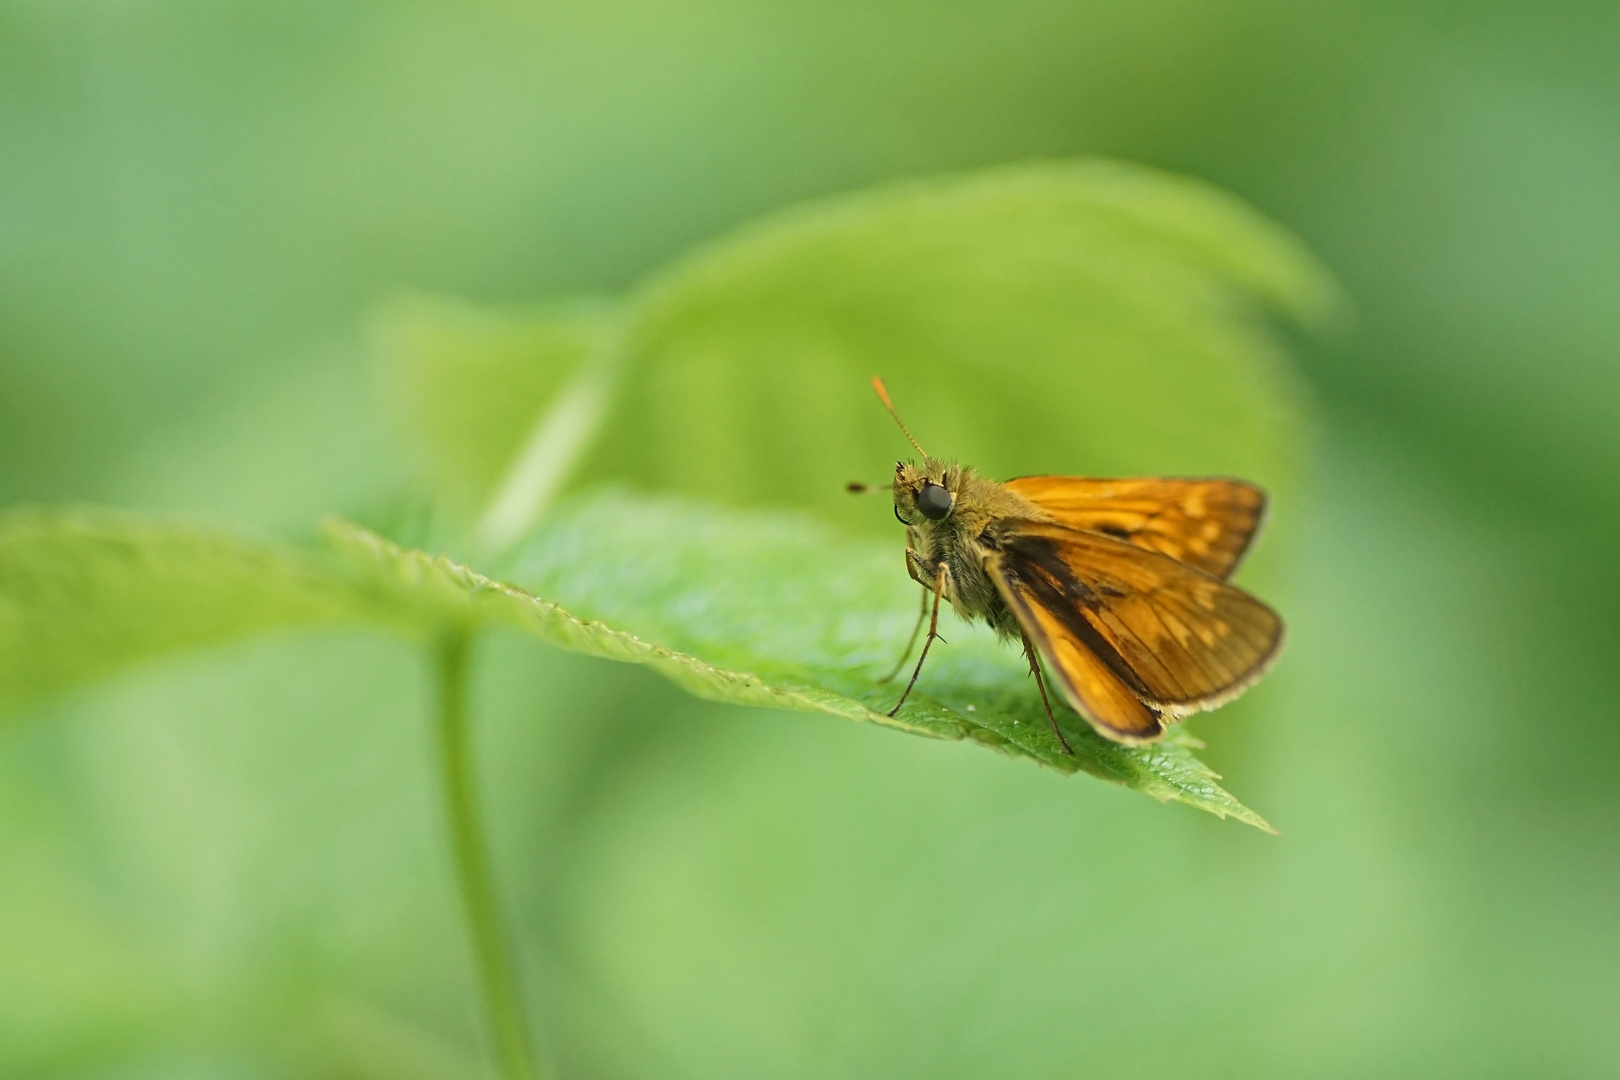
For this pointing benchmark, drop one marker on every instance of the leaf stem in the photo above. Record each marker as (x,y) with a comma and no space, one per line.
(503,999)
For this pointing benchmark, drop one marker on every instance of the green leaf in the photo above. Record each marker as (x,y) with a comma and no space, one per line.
(86,591)
(776,611)
(815,617)
(1081,317)
(426,594)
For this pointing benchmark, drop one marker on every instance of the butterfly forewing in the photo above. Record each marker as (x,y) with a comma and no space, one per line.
(1204,523)
(1177,638)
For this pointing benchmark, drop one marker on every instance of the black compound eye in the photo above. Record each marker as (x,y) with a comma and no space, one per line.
(933,500)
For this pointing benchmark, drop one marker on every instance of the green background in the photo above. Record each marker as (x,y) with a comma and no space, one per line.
(231,865)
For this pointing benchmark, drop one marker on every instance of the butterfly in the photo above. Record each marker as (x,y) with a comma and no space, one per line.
(1118,587)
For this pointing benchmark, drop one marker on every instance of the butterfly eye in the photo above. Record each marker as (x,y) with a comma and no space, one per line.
(934,501)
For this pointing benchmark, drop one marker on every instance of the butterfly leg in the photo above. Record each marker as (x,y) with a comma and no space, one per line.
(1035,670)
(940,573)
(900,664)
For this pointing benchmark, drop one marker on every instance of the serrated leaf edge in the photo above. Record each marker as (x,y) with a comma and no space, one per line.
(473,600)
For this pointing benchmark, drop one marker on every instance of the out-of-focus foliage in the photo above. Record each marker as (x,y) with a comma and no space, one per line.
(1108,316)
(231,866)
(471,384)
(1088,317)
(86,592)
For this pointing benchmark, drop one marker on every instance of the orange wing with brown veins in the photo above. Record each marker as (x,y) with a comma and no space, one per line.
(1206,523)
(1133,635)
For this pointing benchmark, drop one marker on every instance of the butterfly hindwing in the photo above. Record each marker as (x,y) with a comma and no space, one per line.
(1084,680)
(1207,523)
(1178,639)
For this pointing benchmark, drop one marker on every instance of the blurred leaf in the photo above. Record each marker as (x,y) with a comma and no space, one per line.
(1087,317)
(467,383)
(85,591)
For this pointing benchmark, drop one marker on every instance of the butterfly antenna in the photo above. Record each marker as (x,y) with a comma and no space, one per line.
(883,396)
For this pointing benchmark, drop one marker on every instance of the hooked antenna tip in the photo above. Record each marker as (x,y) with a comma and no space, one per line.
(883,395)
(882,392)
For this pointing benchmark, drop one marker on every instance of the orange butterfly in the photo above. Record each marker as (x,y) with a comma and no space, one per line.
(1118,585)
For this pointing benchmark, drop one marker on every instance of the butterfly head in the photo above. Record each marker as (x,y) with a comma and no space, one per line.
(924,492)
